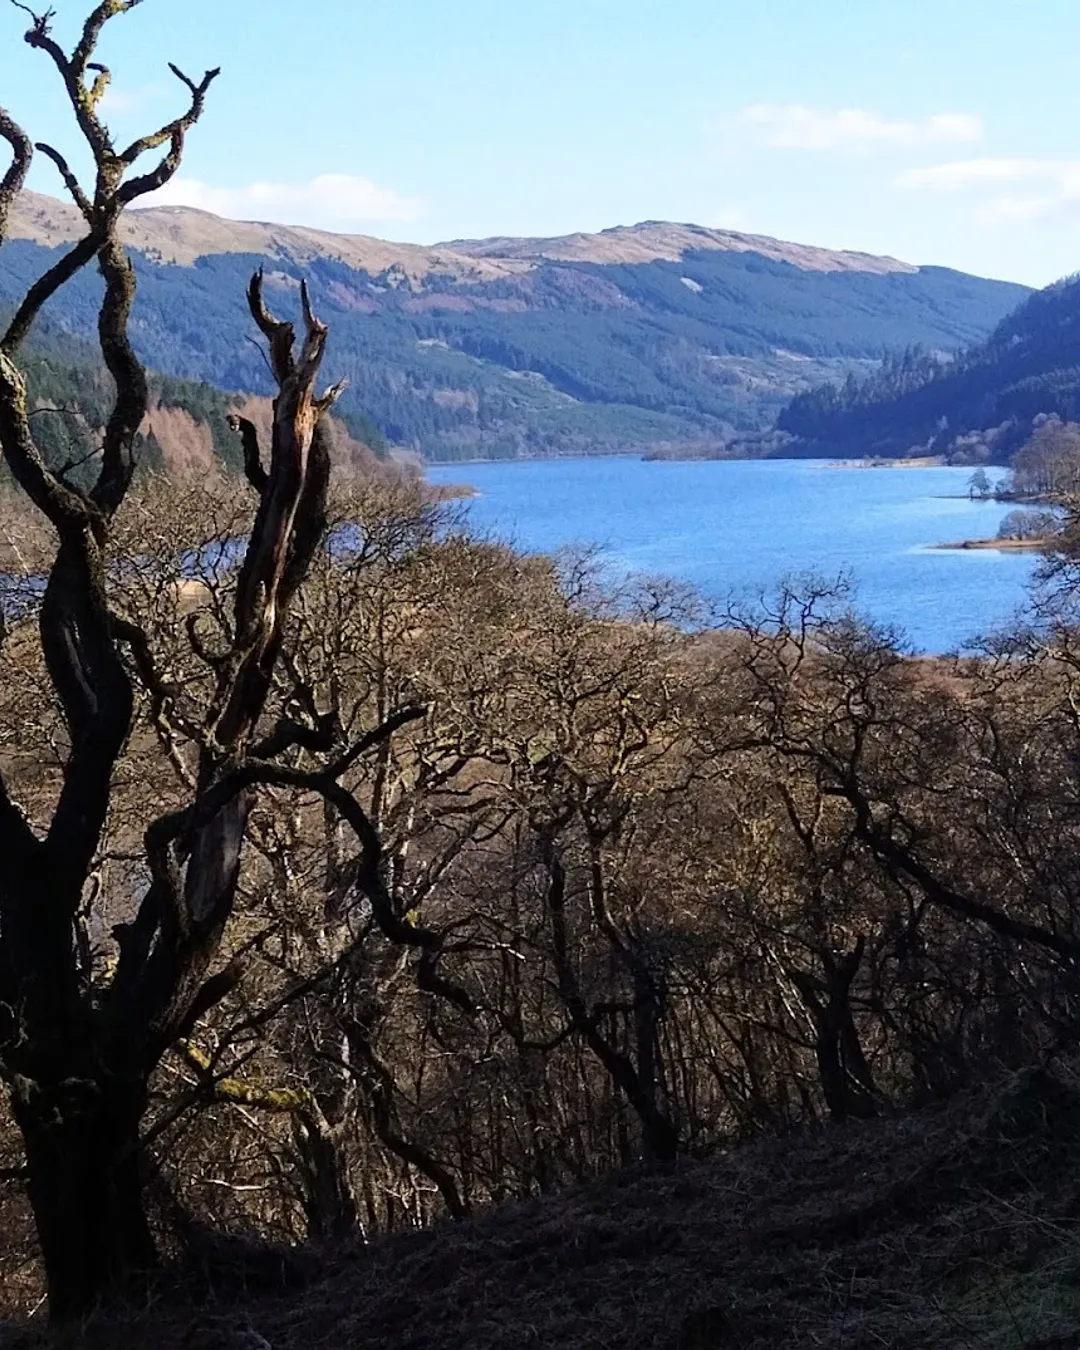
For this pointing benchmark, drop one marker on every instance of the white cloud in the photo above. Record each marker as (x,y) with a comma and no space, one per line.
(1056,184)
(795,127)
(963,173)
(119,100)
(730,218)
(1027,210)
(333,200)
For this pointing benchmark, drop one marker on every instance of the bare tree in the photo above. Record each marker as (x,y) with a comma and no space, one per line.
(78,1043)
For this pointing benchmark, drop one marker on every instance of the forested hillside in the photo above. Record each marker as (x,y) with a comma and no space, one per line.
(987,397)
(71,396)
(186,425)
(651,892)
(660,335)
(876,1234)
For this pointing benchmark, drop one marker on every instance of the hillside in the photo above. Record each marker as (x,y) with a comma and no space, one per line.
(185,429)
(652,335)
(988,395)
(658,240)
(954,1227)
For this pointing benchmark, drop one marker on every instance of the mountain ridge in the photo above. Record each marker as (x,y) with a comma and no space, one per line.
(160,230)
(182,234)
(670,241)
(657,337)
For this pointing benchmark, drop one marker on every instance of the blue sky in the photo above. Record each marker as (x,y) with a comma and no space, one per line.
(940,131)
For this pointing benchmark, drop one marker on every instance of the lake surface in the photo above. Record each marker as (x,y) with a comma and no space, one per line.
(737,527)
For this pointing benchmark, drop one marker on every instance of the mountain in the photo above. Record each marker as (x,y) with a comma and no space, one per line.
(659,240)
(988,395)
(655,335)
(181,234)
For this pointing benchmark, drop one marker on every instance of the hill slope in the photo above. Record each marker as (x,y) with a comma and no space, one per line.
(656,240)
(949,1228)
(635,337)
(1030,364)
(185,428)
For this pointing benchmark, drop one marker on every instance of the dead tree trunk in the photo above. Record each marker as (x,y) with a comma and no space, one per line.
(77,1050)
(86,1188)
(78,1054)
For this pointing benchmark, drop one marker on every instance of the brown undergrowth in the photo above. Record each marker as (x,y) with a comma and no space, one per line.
(955,1226)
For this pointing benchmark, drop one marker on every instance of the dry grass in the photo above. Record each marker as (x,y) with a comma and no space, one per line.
(181,234)
(663,239)
(954,1227)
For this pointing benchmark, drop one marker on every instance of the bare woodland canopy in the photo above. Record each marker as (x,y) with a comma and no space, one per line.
(355,871)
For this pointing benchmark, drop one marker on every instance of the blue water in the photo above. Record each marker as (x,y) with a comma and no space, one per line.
(738,527)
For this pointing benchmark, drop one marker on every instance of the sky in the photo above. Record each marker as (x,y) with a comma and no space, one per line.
(942,132)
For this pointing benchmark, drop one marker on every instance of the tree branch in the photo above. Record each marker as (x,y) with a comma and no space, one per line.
(22,154)
(82,201)
(249,439)
(900,860)
(171,130)
(47,285)
(375,737)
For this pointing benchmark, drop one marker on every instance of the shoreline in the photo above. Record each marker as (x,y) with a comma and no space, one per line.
(915,462)
(822,461)
(998,545)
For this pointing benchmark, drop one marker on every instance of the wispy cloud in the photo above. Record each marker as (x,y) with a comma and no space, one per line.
(965,173)
(124,99)
(333,200)
(1056,183)
(793,126)
(119,100)
(730,218)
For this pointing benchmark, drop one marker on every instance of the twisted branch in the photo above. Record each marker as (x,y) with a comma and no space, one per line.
(22,153)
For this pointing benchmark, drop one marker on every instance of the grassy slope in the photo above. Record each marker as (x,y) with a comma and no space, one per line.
(952,1227)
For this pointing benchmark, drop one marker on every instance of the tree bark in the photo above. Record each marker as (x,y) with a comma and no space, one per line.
(660,1135)
(846,1081)
(330,1210)
(77,1074)
(86,1190)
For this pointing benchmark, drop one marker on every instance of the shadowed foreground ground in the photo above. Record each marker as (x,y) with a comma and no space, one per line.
(953,1227)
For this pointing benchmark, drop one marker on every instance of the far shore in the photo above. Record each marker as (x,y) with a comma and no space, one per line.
(1001,545)
(653,457)
(915,462)
(453,491)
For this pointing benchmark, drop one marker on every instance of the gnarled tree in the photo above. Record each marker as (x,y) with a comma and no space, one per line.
(79,1038)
